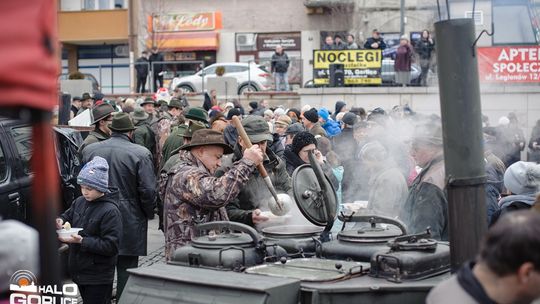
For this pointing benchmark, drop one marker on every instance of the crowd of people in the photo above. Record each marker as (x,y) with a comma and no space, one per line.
(188,165)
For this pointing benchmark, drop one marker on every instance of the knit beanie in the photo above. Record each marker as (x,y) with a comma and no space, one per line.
(254,105)
(324,113)
(522,178)
(312,115)
(95,174)
(301,140)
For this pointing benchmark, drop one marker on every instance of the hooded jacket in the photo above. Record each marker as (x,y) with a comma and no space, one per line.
(331,127)
(93,261)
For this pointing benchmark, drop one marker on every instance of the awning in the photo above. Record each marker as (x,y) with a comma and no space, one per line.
(185,41)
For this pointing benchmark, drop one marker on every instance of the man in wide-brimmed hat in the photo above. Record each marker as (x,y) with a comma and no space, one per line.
(143,134)
(86,103)
(195,195)
(427,204)
(132,172)
(101,118)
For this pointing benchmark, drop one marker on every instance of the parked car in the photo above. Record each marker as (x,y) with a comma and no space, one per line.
(250,77)
(95,84)
(15,167)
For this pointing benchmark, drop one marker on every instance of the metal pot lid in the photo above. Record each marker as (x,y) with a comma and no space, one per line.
(369,234)
(292,231)
(317,205)
(223,240)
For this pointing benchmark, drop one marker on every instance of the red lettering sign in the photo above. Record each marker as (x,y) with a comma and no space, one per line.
(511,64)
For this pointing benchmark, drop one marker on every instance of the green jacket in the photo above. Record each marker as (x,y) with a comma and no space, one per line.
(93,137)
(318,130)
(144,136)
(173,142)
(255,193)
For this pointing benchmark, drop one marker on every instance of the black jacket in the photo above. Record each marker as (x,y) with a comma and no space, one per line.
(280,62)
(158,67)
(141,66)
(294,161)
(424,48)
(93,261)
(132,172)
(371,40)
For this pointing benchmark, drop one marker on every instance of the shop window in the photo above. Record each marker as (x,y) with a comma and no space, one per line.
(23,143)
(520,29)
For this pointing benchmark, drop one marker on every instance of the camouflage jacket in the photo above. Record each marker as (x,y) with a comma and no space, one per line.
(193,196)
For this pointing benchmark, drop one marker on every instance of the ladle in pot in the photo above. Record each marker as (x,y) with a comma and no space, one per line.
(282,202)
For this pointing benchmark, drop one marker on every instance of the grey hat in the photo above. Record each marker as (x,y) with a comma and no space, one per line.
(295,128)
(95,174)
(122,123)
(139,114)
(100,112)
(522,178)
(349,119)
(257,129)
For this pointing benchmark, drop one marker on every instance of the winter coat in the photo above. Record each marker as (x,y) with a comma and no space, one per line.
(345,144)
(144,136)
(173,142)
(132,172)
(494,187)
(328,47)
(277,146)
(230,134)
(255,193)
(193,196)
(424,48)
(141,67)
(93,261)
(280,63)
(93,137)
(371,40)
(387,190)
(340,46)
(403,60)
(158,67)
(513,203)
(332,128)
(352,46)
(355,177)
(462,288)
(427,205)
(318,130)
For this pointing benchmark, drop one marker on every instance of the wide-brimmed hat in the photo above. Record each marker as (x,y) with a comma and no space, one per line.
(428,133)
(100,112)
(295,128)
(198,114)
(139,114)
(148,100)
(194,126)
(86,96)
(208,137)
(122,123)
(257,129)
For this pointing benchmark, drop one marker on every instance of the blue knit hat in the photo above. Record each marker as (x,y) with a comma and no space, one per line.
(324,113)
(95,174)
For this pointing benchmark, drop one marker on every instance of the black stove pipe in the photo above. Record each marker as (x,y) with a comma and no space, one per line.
(462,133)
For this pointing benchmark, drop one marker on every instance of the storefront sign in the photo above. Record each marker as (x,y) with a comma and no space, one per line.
(269,41)
(512,64)
(184,22)
(361,66)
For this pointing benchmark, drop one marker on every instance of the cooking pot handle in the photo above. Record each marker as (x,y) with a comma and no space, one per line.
(232,226)
(374,219)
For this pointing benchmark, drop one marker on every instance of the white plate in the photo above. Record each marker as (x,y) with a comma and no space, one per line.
(64,233)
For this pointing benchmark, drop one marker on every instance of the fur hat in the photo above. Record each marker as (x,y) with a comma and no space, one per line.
(301,140)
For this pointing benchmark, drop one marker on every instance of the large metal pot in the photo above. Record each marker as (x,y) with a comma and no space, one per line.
(367,238)
(297,240)
(225,245)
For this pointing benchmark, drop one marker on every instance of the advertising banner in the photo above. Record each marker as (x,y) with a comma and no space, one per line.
(361,66)
(183,22)
(511,64)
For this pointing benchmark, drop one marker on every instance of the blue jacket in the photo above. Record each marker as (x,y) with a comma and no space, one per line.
(331,127)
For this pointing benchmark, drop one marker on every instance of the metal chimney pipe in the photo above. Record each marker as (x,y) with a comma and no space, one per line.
(462,133)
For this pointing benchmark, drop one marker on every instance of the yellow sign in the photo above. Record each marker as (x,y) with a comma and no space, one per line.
(359,66)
